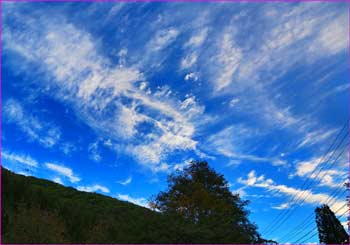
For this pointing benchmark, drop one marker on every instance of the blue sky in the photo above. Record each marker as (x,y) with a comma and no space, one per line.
(112,97)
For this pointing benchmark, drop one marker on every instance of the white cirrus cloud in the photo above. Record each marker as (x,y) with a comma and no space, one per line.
(234,102)
(141,201)
(191,76)
(94,153)
(44,133)
(333,37)
(282,206)
(163,38)
(95,89)
(93,188)
(229,59)
(63,170)
(189,60)
(198,39)
(324,175)
(19,158)
(253,180)
(233,141)
(316,136)
(304,34)
(126,181)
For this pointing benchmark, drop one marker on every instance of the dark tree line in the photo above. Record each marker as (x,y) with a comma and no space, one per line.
(330,230)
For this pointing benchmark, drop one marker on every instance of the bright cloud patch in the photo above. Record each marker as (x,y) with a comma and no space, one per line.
(302,196)
(64,171)
(93,188)
(318,168)
(126,181)
(36,130)
(97,91)
(18,158)
(138,201)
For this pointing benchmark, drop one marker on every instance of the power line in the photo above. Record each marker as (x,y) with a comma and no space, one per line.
(315,232)
(292,210)
(284,215)
(308,221)
(327,152)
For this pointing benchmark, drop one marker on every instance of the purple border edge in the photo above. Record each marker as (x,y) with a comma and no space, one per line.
(232,1)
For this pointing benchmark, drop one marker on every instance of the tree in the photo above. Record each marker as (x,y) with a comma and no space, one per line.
(330,230)
(202,197)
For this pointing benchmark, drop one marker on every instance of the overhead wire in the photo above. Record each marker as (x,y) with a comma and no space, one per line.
(327,152)
(314,231)
(308,220)
(281,217)
(300,199)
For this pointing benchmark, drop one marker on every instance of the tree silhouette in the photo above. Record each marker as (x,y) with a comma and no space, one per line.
(201,196)
(330,230)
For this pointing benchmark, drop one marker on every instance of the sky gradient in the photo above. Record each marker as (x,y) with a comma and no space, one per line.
(112,97)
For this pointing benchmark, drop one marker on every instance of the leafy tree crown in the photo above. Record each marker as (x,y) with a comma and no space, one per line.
(202,196)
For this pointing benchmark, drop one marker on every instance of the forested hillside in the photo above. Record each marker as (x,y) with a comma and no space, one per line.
(40,211)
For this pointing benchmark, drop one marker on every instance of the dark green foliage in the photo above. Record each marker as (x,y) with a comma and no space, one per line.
(39,211)
(330,230)
(202,197)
